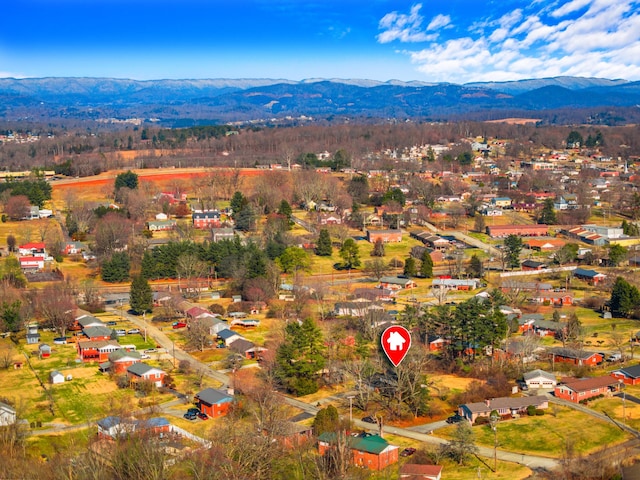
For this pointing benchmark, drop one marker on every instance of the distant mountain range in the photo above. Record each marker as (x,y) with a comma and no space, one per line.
(172,102)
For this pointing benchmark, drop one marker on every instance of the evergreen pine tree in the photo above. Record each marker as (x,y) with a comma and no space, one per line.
(323,246)
(140,295)
(426,267)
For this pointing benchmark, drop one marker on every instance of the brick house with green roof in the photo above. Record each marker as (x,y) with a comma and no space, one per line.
(368,451)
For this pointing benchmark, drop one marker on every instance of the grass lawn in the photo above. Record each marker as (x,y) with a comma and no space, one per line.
(548,435)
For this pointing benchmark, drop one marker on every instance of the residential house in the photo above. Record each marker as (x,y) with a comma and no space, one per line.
(540,379)
(590,276)
(376,294)
(115,427)
(120,360)
(74,248)
(566,202)
(141,371)
(90,351)
(503,405)
(529,265)
(367,451)
(386,236)
(213,324)
(547,328)
(56,377)
(576,357)
(246,348)
(552,298)
(222,233)
(214,403)
(33,249)
(228,336)
(396,283)
(544,244)
(628,375)
(7,415)
(31,264)
(98,333)
(502,202)
(161,225)
(206,219)
(582,389)
(414,471)
(329,219)
(85,321)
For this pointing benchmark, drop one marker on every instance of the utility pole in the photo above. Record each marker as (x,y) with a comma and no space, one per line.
(493,420)
(350,397)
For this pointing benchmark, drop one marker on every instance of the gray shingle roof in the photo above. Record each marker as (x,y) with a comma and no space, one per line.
(211,396)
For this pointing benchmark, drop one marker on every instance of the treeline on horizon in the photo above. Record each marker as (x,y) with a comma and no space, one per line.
(83,153)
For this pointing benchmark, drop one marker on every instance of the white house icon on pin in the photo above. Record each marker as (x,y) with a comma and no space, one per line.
(396,341)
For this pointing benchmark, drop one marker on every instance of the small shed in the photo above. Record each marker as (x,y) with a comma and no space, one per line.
(33,338)
(44,350)
(56,377)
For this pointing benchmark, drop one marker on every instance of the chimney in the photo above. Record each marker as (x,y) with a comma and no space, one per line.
(230,390)
(487,402)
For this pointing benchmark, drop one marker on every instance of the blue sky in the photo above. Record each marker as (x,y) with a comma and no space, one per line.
(455,41)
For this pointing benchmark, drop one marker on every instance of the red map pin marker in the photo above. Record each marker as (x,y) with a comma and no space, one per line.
(396,341)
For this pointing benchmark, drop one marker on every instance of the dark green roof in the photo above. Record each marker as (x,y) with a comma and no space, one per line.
(370,443)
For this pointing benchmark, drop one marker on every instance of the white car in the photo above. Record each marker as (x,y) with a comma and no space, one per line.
(145,356)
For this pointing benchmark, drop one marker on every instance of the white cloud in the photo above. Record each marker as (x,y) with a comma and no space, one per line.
(439,21)
(570,7)
(408,28)
(593,38)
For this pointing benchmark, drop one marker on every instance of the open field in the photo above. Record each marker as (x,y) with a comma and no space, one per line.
(548,435)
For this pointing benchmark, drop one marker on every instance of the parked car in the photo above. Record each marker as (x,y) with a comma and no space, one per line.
(455,418)
(111,323)
(369,419)
(407,452)
(614,357)
(193,410)
(202,416)
(133,331)
(145,356)
(190,416)
(60,340)
(523,386)
(121,332)
(179,325)
(151,350)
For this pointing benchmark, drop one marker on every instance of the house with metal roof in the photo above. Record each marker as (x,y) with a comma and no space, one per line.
(215,403)
(367,451)
(628,375)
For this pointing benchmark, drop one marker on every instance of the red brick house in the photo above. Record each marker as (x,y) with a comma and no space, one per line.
(529,265)
(367,451)
(120,360)
(140,371)
(208,219)
(387,236)
(628,375)
(576,357)
(90,351)
(552,298)
(576,390)
(214,403)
